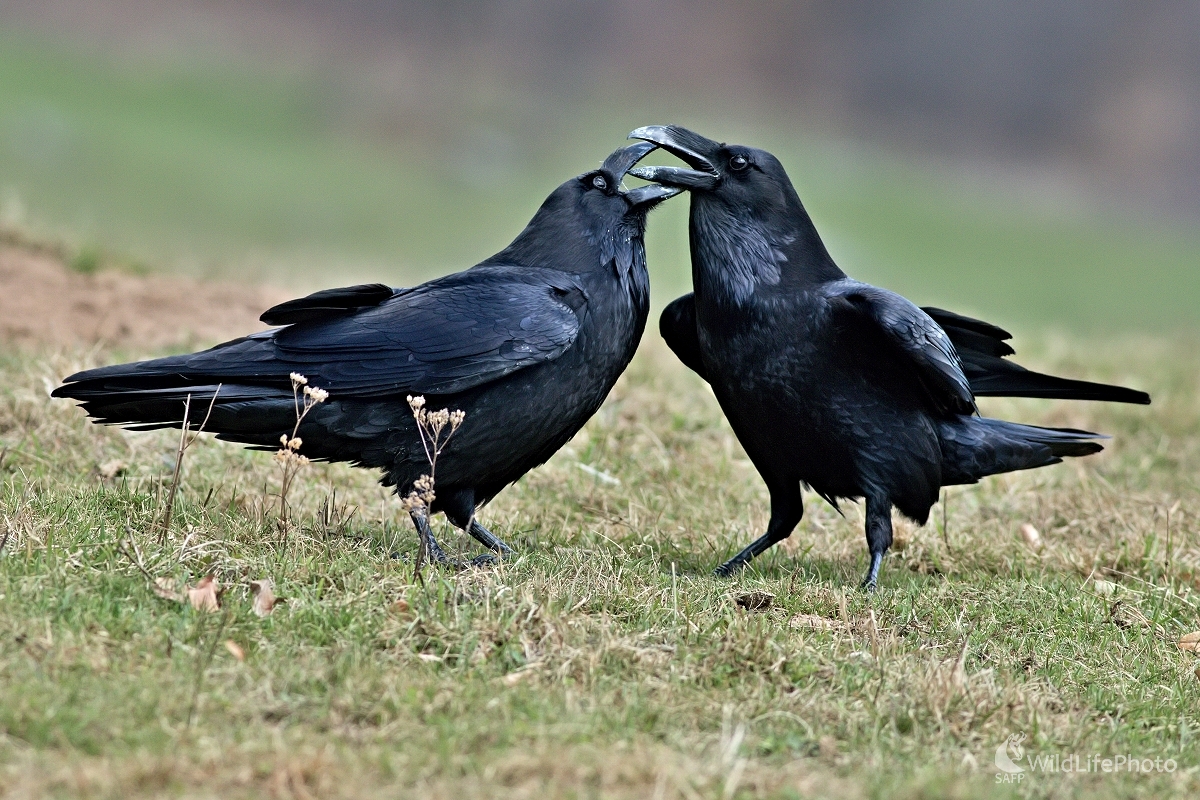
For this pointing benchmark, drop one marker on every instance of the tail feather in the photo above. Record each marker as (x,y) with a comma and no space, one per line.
(975,447)
(147,396)
(994,377)
(983,348)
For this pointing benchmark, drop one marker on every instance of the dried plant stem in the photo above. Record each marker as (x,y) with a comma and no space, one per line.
(419,502)
(165,523)
(288,456)
(184,444)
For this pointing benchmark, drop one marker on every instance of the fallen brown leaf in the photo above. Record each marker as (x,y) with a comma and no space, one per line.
(264,596)
(815,622)
(235,650)
(1031,536)
(755,601)
(203,596)
(400,606)
(1190,642)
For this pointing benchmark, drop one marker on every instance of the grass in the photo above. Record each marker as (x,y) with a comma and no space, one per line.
(604,661)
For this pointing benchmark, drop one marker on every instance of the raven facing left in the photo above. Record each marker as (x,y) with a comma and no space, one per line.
(528,343)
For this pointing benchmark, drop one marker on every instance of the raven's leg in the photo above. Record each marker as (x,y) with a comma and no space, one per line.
(460,510)
(787,507)
(429,545)
(879,537)
(488,539)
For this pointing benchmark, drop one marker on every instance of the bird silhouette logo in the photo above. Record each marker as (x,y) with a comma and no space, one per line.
(1009,753)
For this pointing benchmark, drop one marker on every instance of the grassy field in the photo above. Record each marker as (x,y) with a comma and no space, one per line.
(604,661)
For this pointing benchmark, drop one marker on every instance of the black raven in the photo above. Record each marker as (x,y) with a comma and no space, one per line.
(528,343)
(827,381)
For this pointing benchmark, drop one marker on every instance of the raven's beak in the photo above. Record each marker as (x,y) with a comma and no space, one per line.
(644,198)
(692,148)
(617,164)
(621,161)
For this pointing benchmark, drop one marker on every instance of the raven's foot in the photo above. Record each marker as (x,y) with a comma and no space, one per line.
(488,539)
(731,567)
(869,582)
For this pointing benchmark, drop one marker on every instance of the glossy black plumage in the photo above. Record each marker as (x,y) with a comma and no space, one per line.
(830,382)
(527,343)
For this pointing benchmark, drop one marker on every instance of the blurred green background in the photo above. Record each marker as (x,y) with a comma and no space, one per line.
(319,143)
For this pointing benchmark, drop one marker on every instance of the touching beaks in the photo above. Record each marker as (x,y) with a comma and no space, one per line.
(619,162)
(646,197)
(690,147)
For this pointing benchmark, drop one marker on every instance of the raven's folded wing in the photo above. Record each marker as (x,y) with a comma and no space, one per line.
(327,303)
(677,324)
(442,337)
(915,335)
(982,348)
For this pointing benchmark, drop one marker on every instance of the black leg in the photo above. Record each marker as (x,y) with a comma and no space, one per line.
(879,538)
(488,540)
(459,508)
(429,547)
(787,507)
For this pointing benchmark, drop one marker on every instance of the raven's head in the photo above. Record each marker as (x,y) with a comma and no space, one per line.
(747,219)
(589,220)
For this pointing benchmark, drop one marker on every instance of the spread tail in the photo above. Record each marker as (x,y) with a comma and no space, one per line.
(975,447)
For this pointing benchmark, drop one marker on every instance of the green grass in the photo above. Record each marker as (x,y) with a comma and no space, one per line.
(604,661)
(311,177)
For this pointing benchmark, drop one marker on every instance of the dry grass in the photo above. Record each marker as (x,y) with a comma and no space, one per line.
(604,661)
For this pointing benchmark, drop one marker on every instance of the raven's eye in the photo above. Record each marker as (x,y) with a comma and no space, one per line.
(599,182)
(738,163)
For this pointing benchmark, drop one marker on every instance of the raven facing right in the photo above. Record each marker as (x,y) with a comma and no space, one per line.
(827,381)
(527,343)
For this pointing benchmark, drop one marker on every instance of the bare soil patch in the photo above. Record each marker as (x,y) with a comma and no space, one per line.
(45,303)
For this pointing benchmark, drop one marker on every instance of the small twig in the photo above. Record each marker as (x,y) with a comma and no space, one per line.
(184,444)
(165,522)
(121,549)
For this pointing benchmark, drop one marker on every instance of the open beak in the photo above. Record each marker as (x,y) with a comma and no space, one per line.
(644,198)
(622,159)
(620,162)
(692,148)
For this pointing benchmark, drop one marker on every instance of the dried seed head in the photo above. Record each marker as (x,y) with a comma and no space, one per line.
(316,395)
(283,439)
(294,443)
(298,380)
(456,419)
(416,403)
(413,502)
